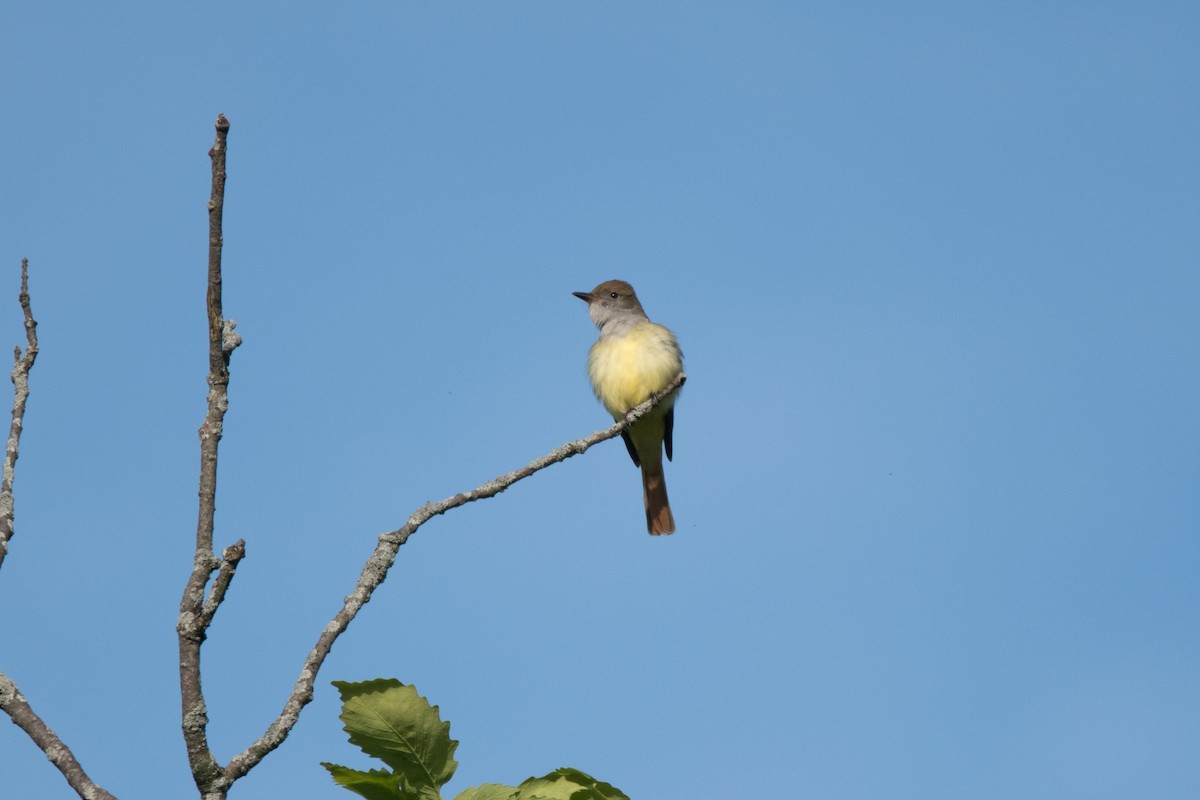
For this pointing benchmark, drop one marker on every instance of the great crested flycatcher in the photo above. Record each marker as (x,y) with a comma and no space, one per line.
(633,359)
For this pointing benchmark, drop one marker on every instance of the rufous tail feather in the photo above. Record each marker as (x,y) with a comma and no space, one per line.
(658,509)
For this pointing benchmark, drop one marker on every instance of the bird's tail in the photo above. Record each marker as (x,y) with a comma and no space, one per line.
(658,509)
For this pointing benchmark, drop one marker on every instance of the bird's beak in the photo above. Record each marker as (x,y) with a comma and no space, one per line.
(586,297)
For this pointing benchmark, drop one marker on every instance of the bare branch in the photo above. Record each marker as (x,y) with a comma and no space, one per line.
(376,568)
(14,704)
(20,378)
(195,613)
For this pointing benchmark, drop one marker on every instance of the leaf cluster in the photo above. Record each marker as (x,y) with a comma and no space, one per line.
(391,722)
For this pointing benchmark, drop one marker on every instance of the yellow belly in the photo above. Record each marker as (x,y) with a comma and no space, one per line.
(626,369)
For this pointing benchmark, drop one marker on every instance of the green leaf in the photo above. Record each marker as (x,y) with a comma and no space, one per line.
(391,722)
(567,784)
(378,784)
(488,791)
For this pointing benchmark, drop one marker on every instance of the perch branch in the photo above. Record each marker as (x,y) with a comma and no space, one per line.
(376,568)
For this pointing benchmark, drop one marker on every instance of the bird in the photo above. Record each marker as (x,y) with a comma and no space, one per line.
(633,359)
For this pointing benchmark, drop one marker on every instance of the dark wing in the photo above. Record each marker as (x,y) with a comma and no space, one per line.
(637,462)
(668,426)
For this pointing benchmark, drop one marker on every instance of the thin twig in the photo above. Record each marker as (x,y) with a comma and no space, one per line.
(194,613)
(230,558)
(22,363)
(376,568)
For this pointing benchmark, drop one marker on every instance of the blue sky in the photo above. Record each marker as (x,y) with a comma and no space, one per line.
(934,268)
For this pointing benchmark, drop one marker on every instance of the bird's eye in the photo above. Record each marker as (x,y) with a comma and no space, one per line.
(613,295)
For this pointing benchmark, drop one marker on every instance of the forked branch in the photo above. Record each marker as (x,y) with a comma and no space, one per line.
(195,612)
